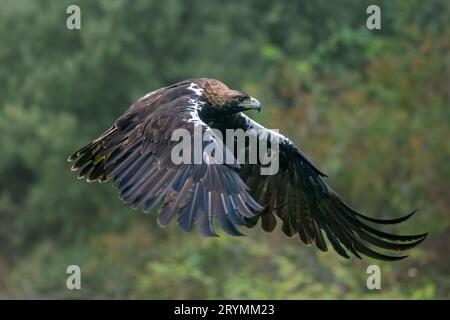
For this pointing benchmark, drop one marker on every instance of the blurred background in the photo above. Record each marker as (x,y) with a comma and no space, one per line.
(371,108)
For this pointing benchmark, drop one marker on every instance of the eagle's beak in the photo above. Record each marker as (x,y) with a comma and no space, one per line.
(251,104)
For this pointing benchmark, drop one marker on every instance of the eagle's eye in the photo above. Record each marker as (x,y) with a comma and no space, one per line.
(243,97)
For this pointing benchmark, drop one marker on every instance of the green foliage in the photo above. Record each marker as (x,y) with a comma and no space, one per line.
(370,107)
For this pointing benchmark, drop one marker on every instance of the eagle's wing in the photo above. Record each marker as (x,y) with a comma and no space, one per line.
(307,206)
(136,154)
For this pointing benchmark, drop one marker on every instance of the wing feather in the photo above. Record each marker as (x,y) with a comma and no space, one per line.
(307,206)
(135,153)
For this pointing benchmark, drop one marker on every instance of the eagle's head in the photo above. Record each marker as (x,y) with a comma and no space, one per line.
(222,100)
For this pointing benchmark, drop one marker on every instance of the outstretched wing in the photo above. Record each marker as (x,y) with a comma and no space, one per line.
(135,153)
(307,206)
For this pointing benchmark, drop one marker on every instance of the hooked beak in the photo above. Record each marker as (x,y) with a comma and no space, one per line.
(251,104)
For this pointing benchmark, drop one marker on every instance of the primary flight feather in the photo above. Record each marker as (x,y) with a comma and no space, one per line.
(135,153)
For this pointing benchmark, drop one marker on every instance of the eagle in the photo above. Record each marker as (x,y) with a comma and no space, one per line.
(135,154)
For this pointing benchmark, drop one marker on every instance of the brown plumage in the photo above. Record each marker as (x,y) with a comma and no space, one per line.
(135,154)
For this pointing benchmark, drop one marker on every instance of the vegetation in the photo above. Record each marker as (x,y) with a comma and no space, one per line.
(370,107)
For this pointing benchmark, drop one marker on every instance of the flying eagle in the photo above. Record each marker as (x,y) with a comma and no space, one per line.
(135,153)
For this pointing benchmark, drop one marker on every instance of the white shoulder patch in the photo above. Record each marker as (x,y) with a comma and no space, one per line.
(196,89)
(256,126)
(195,104)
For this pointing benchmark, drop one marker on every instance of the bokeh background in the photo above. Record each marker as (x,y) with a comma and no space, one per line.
(371,108)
